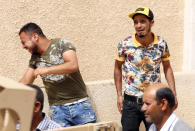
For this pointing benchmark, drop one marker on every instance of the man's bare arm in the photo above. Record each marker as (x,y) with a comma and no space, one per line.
(118,84)
(170,79)
(169,75)
(70,65)
(28,77)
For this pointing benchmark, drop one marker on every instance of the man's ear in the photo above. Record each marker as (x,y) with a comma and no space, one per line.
(164,104)
(37,106)
(35,37)
(151,23)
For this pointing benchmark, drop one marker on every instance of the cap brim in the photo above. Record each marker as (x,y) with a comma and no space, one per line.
(132,14)
(138,12)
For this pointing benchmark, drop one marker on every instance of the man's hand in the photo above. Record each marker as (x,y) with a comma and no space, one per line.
(120,103)
(40,71)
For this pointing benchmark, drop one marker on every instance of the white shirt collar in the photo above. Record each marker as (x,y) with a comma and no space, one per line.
(169,124)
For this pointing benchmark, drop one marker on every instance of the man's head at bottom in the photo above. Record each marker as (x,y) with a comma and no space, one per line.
(158,103)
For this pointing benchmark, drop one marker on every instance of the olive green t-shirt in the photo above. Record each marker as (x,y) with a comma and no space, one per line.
(60,88)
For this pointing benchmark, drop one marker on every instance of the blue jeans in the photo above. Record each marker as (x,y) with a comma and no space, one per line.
(74,114)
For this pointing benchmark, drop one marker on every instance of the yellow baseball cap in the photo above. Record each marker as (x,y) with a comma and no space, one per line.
(143,10)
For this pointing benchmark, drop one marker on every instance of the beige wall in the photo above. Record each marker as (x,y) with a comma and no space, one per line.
(94,26)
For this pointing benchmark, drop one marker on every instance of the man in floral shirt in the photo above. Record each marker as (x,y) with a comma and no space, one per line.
(140,56)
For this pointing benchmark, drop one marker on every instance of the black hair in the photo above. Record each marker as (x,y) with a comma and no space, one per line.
(165,93)
(39,94)
(31,28)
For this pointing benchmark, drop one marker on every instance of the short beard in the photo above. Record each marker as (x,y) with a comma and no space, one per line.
(35,50)
(141,36)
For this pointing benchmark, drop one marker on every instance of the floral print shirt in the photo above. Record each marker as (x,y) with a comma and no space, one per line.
(141,65)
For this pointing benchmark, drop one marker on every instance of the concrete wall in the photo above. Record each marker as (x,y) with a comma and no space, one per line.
(94,26)
(103,97)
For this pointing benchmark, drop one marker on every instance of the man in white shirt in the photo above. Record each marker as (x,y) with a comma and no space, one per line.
(158,107)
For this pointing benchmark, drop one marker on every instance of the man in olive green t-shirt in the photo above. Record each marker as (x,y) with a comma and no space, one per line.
(56,62)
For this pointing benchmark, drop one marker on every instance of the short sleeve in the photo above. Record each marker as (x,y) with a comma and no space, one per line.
(120,56)
(32,62)
(66,45)
(165,54)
